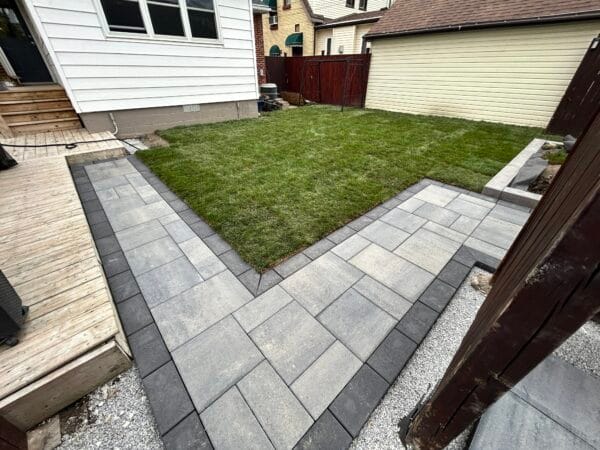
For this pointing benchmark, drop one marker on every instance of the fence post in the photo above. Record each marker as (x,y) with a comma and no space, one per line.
(547,287)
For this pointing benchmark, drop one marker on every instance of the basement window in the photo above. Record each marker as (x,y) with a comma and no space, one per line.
(123,15)
(185,20)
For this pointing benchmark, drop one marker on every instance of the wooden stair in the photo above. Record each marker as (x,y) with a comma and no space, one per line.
(37,109)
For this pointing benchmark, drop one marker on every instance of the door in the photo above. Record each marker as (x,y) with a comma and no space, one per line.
(296,51)
(19,47)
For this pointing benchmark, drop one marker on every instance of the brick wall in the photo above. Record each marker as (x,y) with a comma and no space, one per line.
(260,49)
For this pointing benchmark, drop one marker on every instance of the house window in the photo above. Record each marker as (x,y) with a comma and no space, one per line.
(297,28)
(362,4)
(350,3)
(167,18)
(202,18)
(123,15)
(287,4)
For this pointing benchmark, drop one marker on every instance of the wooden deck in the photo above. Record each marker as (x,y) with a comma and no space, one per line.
(72,339)
(82,152)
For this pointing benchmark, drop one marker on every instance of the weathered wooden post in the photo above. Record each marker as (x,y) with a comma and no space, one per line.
(547,287)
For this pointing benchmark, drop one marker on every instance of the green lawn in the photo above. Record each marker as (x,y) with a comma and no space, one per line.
(274,185)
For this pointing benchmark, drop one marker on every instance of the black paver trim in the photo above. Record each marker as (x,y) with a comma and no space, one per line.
(115,264)
(136,325)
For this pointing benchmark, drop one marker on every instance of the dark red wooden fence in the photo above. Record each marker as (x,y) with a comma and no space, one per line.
(335,80)
(581,97)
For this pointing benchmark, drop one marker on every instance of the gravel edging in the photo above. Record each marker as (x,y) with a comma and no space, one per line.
(432,357)
(118,417)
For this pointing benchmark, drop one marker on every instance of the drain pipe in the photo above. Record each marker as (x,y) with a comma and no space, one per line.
(114,122)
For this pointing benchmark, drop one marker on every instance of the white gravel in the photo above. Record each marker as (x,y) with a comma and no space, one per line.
(117,415)
(426,367)
(433,356)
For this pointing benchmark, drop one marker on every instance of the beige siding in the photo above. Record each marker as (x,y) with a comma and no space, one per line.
(332,9)
(343,40)
(287,21)
(350,37)
(321,40)
(361,30)
(513,75)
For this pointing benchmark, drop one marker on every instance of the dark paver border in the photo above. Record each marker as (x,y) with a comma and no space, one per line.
(346,415)
(177,420)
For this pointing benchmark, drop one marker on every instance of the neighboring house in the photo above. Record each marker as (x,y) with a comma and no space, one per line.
(289,29)
(346,34)
(505,61)
(260,7)
(139,65)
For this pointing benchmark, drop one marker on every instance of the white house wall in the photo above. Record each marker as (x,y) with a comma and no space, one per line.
(332,9)
(107,73)
(514,75)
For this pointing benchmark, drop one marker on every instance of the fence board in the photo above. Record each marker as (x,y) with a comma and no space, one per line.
(581,97)
(547,287)
(335,80)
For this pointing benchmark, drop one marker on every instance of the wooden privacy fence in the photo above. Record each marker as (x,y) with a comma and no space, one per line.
(581,97)
(546,288)
(335,80)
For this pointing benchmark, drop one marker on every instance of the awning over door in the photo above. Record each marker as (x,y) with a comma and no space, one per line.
(294,40)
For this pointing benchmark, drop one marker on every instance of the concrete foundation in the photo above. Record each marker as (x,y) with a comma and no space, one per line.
(135,122)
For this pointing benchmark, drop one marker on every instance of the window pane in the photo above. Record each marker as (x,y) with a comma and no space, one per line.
(166,20)
(202,4)
(203,24)
(123,15)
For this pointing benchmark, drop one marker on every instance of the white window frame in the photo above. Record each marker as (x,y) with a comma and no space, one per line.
(150,35)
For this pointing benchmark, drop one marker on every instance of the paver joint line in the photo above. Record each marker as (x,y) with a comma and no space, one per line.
(299,317)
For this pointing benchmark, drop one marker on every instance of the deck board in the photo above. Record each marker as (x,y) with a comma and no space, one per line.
(48,254)
(60,136)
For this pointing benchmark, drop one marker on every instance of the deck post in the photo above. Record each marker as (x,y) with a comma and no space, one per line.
(11,437)
(547,287)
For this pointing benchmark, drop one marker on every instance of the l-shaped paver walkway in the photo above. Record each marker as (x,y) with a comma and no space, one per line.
(301,355)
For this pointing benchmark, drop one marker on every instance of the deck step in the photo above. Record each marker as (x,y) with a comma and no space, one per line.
(30,106)
(42,126)
(32,93)
(18,117)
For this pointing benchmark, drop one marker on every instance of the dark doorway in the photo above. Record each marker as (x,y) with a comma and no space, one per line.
(296,51)
(19,47)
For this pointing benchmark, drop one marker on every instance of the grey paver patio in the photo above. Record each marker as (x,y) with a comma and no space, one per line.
(215,360)
(188,314)
(358,323)
(279,412)
(320,384)
(317,285)
(428,250)
(262,307)
(291,340)
(232,409)
(402,276)
(274,360)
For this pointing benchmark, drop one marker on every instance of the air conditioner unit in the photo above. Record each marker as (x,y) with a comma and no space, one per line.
(272,20)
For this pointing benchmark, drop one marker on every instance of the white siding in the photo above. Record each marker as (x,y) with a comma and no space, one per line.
(343,37)
(513,75)
(332,9)
(360,31)
(349,36)
(106,73)
(321,37)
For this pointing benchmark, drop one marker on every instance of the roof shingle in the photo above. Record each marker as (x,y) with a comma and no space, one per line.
(418,16)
